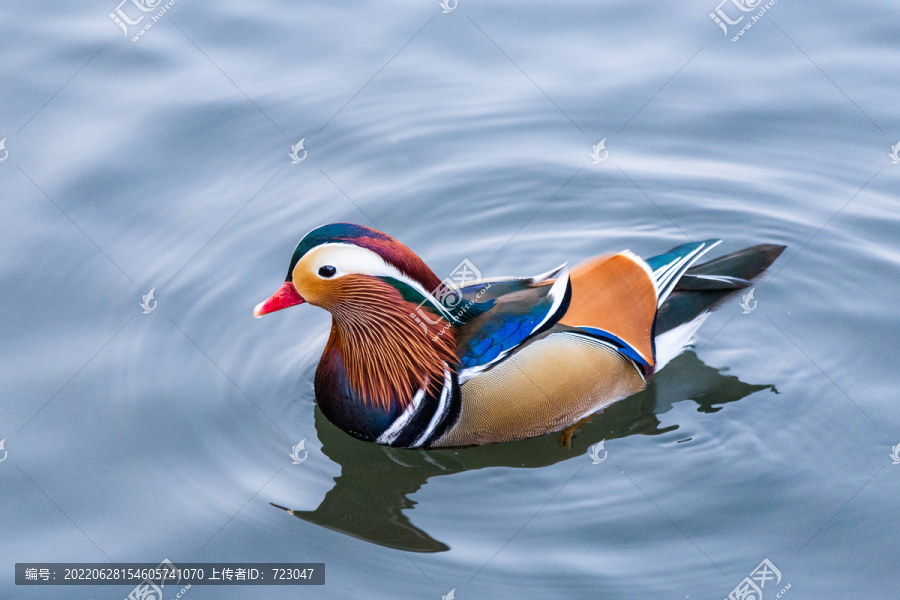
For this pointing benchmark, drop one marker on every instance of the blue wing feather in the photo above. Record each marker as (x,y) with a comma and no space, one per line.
(511,321)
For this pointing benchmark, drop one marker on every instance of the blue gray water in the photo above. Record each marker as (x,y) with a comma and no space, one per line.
(163,164)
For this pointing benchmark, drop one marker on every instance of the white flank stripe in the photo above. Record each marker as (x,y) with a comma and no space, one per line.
(391,433)
(443,407)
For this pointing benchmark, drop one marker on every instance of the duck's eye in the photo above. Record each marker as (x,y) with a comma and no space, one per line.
(327,271)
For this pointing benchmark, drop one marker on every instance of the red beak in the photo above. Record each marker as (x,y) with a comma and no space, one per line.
(286,296)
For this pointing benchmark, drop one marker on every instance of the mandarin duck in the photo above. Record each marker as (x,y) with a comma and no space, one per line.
(413,361)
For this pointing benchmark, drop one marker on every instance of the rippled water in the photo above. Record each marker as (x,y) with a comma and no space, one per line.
(163,164)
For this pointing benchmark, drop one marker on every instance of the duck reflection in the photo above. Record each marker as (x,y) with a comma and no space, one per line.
(371,497)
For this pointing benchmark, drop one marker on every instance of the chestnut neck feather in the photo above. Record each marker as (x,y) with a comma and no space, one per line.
(388,355)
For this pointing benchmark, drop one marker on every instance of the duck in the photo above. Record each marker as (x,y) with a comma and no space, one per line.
(415,361)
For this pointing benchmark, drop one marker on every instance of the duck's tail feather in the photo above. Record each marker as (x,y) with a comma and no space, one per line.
(703,286)
(730,272)
(669,268)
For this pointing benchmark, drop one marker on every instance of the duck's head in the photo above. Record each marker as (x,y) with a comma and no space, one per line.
(387,325)
(331,261)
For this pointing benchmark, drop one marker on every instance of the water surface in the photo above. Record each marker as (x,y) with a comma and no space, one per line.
(163,164)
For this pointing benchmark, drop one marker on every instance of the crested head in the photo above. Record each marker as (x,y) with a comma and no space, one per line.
(374,287)
(393,253)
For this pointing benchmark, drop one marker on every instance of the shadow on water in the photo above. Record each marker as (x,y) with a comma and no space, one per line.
(370,497)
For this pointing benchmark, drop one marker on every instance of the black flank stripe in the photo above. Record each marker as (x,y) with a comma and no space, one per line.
(418,423)
(452,415)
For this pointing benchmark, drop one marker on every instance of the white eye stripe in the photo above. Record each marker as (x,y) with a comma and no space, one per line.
(349,259)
